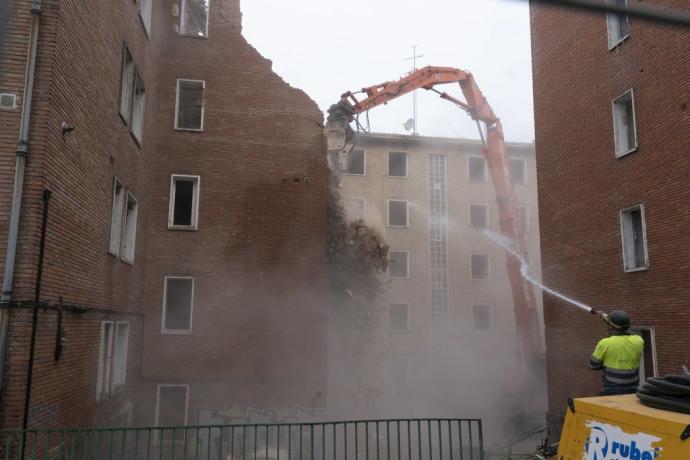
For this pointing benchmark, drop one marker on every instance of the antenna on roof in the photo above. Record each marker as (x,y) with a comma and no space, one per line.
(412,122)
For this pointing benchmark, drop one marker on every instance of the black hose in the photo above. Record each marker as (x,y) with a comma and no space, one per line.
(669,393)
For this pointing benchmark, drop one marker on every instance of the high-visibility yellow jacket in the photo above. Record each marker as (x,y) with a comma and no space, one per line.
(619,356)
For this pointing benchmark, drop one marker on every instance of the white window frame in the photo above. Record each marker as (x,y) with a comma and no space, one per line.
(177,104)
(105,370)
(523,179)
(128,248)
(364,163)
(158,439)
(652,335)
(488,265)
(633,148)
(195,202)
(390,304)
(489,311)
(407,266)
(138,109)
(641,207)
(613,42)
(145,10)
(116,219)
(364,207)
(486,172)
(469,215)
(126,84)
(182,21)
(113,387)
(165,331)
(407,164)
(407,213)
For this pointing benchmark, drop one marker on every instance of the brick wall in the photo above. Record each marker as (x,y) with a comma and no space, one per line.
(583,187)
(258,256)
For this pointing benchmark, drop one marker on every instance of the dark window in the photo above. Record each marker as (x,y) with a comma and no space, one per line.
(398,316)
(517,171)
(480,266)
(178,304)
(480,317)
(397,213)
(477,168)
(184,200)
(478,216)
(397,164)
(184,193)
(172,408)
(190,105)
(355,162)
(397,267)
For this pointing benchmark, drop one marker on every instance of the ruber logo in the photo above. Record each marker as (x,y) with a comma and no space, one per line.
(609,442)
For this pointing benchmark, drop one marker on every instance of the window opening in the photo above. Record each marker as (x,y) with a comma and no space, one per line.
(618,25)
(189,114)
(184,198)
(624,131)
(171,410)
(105,360)
(126,84)
(194,18)
(130,236)
(480,317)
(116,217)
(397,213)
(177,305)
(145,14)
(479,266)
(477,169)
(398,317)
(397,164)
(120,359)
(517,171)
(138,108)
(634,239)
(356,162)
(479,216)
(398,264)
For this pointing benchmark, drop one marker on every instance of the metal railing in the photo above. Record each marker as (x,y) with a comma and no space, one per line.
(403,439)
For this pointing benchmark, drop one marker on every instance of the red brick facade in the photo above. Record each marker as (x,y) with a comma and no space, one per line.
(258,254)
(583,186)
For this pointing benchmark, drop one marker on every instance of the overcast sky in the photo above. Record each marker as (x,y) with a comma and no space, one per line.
(328,47)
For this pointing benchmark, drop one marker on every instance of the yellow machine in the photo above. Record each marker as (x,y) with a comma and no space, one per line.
(622,428)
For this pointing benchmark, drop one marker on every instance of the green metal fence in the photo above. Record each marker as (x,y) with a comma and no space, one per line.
(404,439)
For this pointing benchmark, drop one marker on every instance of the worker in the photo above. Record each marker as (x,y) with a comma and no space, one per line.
(618,355)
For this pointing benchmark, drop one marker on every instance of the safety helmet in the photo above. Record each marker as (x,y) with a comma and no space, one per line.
(619,319)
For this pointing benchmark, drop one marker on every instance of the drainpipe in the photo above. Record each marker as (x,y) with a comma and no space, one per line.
(21,154)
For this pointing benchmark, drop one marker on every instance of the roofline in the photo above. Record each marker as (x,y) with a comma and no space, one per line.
(459,141)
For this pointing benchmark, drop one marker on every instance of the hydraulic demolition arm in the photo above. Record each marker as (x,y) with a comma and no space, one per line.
(341,140)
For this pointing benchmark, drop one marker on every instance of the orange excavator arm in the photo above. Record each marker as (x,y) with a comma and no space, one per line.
(341,140)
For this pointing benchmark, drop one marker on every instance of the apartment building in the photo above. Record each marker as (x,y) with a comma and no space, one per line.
(446,305)
(611,111)
(184,259)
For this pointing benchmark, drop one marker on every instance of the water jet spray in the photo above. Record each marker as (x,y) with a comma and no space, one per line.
(507,244)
